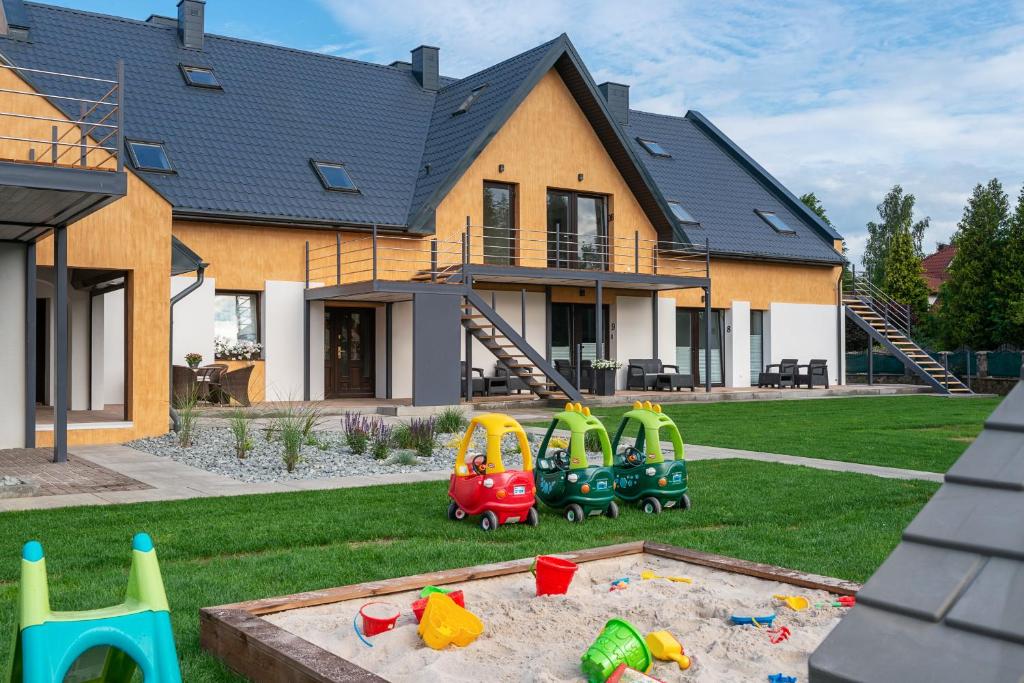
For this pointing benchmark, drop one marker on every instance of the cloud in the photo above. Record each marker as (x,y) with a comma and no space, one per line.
(843,99)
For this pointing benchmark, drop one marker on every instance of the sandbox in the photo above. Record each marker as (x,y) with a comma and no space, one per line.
(310,637)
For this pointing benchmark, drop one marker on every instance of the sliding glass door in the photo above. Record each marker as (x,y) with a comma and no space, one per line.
(756,346)
(691,350)
(499,224)
(577,230)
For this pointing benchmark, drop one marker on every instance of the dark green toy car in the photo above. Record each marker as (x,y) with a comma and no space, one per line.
(642,474)
(564,478)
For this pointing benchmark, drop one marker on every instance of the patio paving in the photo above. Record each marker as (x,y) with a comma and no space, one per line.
(76,476)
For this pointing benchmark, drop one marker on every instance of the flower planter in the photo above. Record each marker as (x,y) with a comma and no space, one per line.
(604,382)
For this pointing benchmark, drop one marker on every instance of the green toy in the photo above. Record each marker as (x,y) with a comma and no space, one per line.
(98,646)
(564,478)
(642,474)
(618,643)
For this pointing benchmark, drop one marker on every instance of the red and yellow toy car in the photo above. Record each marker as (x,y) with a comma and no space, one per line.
(480,484)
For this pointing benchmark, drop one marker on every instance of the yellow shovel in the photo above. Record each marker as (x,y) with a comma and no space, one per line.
(794,602)
(648,574)
(666,648)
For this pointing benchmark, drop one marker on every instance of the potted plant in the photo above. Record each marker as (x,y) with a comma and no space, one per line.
(604,376)
(193,359)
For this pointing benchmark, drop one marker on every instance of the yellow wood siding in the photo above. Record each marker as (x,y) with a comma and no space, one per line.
(762,283)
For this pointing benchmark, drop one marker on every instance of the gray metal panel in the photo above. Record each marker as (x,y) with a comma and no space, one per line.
(426,67)
(996,458)
(616,96)
(972,518)
(435,349)
(994,601)
(920,580)
(190,23)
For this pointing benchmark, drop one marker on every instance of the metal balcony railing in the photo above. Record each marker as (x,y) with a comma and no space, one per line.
(93,137)
(388,256)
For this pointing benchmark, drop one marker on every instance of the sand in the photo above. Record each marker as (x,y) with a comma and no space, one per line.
(529,638)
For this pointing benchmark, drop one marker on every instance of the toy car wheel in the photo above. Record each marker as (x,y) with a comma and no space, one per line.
(612,511)
(455,513)
(489,521)
(684,502)
(651,506)
(532,518)
(574,513)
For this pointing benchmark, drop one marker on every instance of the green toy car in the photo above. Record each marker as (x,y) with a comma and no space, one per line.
(564,478)
(642,474)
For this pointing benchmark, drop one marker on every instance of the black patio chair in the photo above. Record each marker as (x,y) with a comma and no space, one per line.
(783,376)
(816,373)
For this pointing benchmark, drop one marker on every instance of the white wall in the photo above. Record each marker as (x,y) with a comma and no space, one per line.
(78,345)
(193,320)
(316,351)
(804,331)
(401,369)
(282,340)
(12,345)
(667,330)
(631,333)
(508,304)
(113,347)
(737,344)
(97,343)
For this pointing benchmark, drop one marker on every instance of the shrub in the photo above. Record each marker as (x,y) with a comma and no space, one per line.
(312,417)
(404,458)
(239,422)
(358,430)
(401,435)
(380,443)
(451,420)
(424,435)
(185,404)
(289,426)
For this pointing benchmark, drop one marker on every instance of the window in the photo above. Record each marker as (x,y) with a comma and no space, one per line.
(236,317)
(468,102)
(773,220)
(653,147)
(577,230)
(200,77)
(334,176)
(149,156)
(681,213)
(499,224)
(756,346)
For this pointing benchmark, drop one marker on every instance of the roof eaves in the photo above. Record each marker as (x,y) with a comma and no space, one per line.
(767,179)
(183,259)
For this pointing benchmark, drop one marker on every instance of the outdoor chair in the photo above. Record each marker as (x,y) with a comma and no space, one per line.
(647,374)
(568,370)
(184,386)
(783,376)
(479,383)
(234,384)
(208,377)
(816,374)
(515,383)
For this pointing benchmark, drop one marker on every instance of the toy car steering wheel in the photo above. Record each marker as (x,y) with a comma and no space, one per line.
(561,459)
(633,457)
(479,464)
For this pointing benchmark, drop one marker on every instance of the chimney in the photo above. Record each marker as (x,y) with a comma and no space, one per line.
(425,67)
(190,23)
(616,96)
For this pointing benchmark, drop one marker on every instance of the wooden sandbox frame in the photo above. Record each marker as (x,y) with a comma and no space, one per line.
(261,651)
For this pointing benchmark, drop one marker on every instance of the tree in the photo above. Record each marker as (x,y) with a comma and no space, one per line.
(814,204)
(897,214)
(1009,280)
(970,302)
(904,274)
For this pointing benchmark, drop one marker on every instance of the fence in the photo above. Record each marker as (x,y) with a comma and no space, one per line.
(997,364)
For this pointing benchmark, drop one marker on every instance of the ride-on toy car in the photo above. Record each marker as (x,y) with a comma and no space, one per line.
(641,472)
(565,480)
(480,484)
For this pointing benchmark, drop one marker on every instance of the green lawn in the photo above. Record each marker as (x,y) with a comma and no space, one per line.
(221,550)
(914,432)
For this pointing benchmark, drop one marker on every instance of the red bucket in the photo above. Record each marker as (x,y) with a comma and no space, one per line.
(420,605)
(553,574)
(378,617)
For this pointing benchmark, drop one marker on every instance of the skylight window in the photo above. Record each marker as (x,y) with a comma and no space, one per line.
(149,156)
(681,213)
(470,99)
(334,176)
(772,219)
(653,147)
(200,77)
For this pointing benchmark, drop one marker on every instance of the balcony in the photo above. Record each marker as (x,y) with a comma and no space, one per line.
(384,265)
(61,142)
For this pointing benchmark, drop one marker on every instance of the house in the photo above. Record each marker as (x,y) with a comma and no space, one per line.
(372,226)
(936,269)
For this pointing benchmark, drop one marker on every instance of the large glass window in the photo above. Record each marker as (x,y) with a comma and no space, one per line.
(756,346)
(716,346)
(236,316)
(577,230)
(684,341)
(499,224)
(690,346)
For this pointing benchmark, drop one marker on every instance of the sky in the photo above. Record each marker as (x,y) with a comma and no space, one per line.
(843,99)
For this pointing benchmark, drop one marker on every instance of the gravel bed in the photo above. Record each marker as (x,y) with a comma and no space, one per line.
(213,450)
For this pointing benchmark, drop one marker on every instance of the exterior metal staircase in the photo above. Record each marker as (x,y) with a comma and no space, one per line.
(888,322)
(513,351)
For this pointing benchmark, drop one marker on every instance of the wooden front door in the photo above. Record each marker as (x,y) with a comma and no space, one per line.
(348,352)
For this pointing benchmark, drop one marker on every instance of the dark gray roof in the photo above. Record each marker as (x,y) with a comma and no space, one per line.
(946,605)
(183,259)
(244,152)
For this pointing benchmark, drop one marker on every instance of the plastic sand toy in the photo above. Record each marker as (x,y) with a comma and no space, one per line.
(444,623)
(565,480)
(779,634)
(480,484)
(781,678)
(420,606)
(843,601)
(624,674)
(618,643)
(553,574)
(755,621)
(619,584)
(647,575)
(642,473)
(378,617)
(665,647)
(797,603)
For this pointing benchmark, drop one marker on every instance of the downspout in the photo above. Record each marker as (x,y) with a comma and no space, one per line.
(200,277)
(840,356)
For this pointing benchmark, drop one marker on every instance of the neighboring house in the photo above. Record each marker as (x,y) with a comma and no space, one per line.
(359,220)
(936,269)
